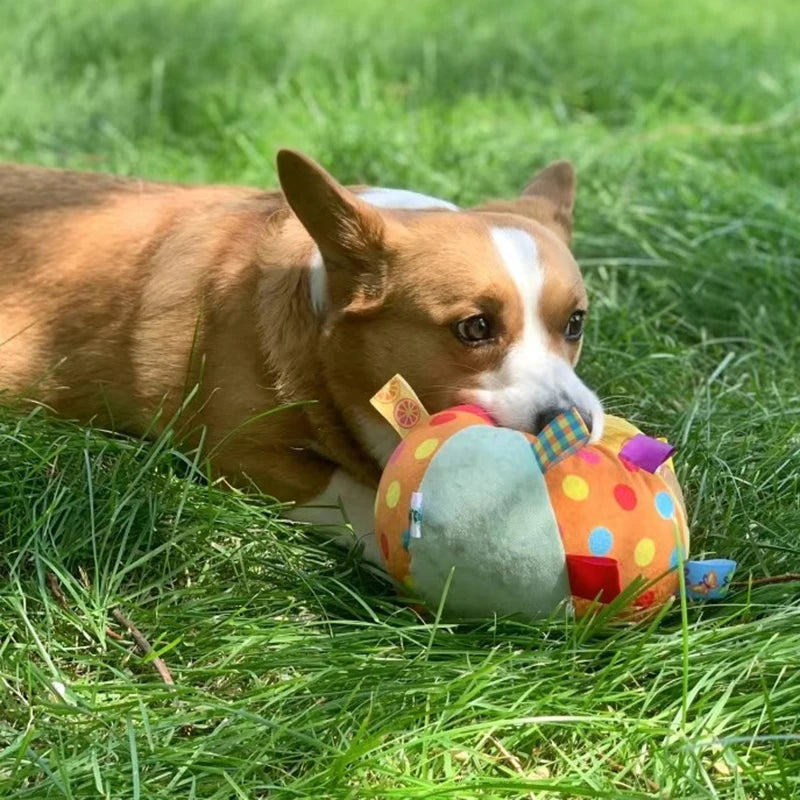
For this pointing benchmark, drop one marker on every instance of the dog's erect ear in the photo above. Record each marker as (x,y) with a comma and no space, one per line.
(554,189)
(349,233)
(549,198)
(343,226)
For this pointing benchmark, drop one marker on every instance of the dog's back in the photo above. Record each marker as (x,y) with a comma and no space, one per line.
(100,281)
(120,299)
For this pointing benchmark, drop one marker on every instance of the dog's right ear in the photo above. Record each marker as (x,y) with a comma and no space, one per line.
(343,226)
(349,233)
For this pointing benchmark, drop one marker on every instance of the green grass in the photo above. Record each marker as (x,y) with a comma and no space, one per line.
(298,674)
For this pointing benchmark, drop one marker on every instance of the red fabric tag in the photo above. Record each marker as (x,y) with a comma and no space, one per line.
(594,577)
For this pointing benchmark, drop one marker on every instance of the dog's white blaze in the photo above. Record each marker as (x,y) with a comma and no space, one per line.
(521,257)
(402,198)
(531,379)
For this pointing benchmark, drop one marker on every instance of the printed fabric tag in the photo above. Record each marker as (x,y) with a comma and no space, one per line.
(398,404)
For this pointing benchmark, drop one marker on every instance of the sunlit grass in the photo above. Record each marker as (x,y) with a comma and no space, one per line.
(297,673)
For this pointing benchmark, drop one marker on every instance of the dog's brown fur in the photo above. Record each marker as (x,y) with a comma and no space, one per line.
(117,297)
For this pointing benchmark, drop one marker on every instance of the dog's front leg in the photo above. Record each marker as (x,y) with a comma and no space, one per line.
(347,507)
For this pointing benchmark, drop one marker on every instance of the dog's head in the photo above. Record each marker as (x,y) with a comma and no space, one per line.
(482,306)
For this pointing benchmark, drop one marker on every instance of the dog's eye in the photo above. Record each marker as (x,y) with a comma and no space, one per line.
(574,329)
(474,330)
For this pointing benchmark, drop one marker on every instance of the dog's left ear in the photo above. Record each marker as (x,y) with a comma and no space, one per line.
(549,198)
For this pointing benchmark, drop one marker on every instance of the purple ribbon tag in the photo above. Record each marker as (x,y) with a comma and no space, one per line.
(647,453)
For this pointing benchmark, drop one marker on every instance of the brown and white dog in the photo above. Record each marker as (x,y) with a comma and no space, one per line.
(134,305)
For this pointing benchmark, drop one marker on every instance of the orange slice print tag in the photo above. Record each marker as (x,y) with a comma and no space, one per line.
(397,403)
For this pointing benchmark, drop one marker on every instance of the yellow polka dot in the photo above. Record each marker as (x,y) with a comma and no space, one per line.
(575,487)
(645,552)
(425,449)
(393,494)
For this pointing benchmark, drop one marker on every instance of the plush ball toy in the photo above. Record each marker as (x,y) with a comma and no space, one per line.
(515,524)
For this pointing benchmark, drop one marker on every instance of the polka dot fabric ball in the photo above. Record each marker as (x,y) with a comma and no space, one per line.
(608,507)
(604,506)
(402,477)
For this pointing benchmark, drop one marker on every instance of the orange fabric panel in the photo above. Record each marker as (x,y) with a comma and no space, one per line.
(605,507)
(402,477)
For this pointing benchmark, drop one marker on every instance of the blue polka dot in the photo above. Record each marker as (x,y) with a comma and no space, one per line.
(406,538)
(601,540)
(664,505)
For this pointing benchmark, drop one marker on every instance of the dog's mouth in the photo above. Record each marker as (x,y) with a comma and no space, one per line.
(531,405)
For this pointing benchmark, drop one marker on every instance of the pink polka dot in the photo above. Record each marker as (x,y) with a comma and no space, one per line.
(629,465)
(396,454)
(589,456)
(385,546)
(625,497)
(440,419)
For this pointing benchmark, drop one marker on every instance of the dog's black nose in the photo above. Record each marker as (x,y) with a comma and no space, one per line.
(545,417)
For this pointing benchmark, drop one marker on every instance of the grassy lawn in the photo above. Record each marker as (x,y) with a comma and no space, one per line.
(297,673)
